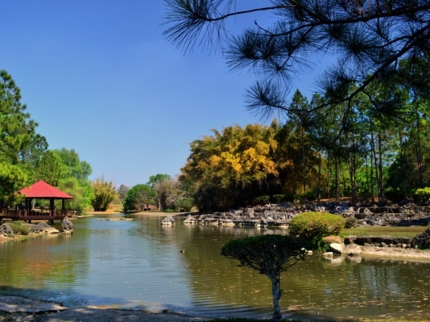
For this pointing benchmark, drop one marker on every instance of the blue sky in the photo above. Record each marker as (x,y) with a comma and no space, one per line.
(99,77)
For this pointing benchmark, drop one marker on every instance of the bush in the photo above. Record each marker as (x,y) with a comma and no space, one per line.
(421,195)
(184,204)
(310,224)
(19,228)
(313,226)
(351,222)
(262,200)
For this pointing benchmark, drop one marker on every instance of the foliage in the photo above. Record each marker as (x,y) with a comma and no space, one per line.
(20,145)
(269,255)
(262,200)
(351,222)
(368,38)
(138,198)
(184,204)
(19,227)
(233,167)
(12,179)
(312,226)
(104,193)
(421,195)
(168,191)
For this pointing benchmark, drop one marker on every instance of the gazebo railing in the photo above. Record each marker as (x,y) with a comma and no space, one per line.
(12,213)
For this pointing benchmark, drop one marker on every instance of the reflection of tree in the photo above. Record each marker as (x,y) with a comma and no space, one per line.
(34,263)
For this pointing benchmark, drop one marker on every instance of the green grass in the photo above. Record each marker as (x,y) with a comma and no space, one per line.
(408,232)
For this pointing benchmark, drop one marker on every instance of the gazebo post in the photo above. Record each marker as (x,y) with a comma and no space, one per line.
(62,208)
(51,210)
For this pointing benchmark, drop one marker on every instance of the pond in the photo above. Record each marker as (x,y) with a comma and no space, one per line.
(139,264)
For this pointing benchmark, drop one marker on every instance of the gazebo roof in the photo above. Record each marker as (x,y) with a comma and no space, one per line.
(42,190)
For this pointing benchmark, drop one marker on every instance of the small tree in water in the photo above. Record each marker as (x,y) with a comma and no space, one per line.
(268,254)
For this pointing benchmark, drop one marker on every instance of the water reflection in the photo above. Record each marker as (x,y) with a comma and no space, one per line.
(140,263)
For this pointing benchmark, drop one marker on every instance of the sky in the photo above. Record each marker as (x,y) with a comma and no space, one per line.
(99,77)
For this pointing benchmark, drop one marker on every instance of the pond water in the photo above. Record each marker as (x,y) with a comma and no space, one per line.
(139,264)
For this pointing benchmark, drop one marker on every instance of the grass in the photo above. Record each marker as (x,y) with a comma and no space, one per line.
(407,232)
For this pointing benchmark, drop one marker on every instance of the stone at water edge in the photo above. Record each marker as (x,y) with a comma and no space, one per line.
(6,230)
(352,249)
(336,248)
(168,221)
(43,228)
(67,225)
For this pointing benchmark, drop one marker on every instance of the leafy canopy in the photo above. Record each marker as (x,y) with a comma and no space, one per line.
(368,38)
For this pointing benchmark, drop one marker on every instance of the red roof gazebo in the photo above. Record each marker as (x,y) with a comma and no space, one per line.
(39,190)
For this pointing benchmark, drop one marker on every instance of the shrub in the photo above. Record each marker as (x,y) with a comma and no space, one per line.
(351,222)
(313,226)
(421,195)
(279,198)
(262,200)
(184,204)
(19,228)
(310,224)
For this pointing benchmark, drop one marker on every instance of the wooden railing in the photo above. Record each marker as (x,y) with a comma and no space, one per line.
(12,213)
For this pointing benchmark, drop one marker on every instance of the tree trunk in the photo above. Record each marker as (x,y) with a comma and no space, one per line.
(380,180)
(372,160)
(303,161)
(276,294)
(319,178)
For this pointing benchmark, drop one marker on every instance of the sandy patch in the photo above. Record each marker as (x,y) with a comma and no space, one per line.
(395,253)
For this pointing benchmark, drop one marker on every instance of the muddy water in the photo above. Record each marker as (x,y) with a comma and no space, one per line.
(140,264)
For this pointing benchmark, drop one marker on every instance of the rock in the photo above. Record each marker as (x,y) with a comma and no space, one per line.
(422,241)
(67,225)
(261,224)
(5,230)
(43,228)
(13,304)
(349,240)
(190,220)
(309,252)
(168,221)
(352,249)
(336,248)
(227,223)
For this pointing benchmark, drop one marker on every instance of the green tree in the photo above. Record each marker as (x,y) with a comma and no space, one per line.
(268,254)
(138,197)
(104,193)
(20,146)
(367,37)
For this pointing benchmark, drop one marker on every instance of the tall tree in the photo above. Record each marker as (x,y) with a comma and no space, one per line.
(20,146)
(367,37)
(138,197)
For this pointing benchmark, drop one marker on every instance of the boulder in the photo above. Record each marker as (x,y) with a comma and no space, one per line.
(43,228)
(352,249)
(168,221)
(422,241)
(5,230)
(67,225)
(190,220)
(336,248)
